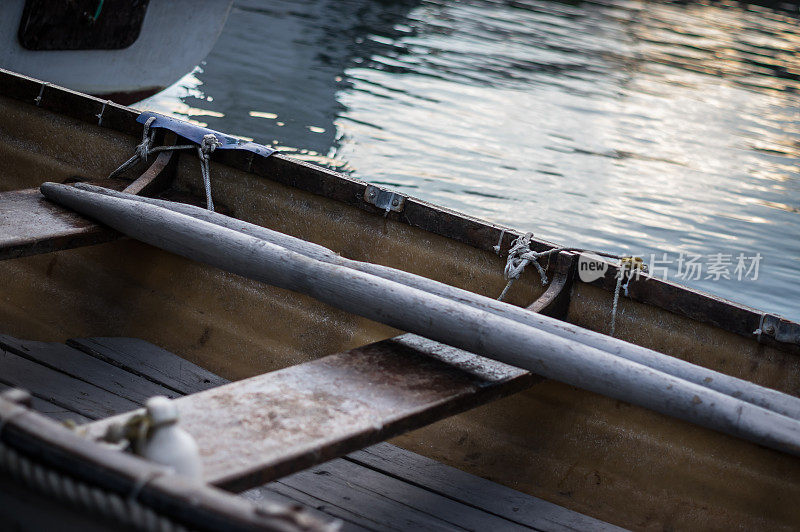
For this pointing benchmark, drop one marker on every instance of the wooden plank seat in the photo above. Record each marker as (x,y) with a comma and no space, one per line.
(379,488)
(29,225)
(278,423)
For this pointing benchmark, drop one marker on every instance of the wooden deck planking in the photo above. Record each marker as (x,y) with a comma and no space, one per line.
(84,367)
(472,490)
(49,409)
(150,362)
(58,388)
(403,505)
(278,493)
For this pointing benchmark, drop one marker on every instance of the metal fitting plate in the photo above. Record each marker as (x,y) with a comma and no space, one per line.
(780,329)
(385,200)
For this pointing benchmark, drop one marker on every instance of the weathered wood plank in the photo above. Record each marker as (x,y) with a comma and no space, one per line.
(384,499)
(59,413)
(277,492)
(29,225)
(376,511)
(60,389)
(150,362)
(87,368)
(472,490)
(275,424)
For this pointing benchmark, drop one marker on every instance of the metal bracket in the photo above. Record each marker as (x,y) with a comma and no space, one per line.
(780,329)
(385,200)
(160,174)
(554,301)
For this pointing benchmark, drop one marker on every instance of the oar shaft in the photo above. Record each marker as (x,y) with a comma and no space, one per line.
(747,391)
(434,317)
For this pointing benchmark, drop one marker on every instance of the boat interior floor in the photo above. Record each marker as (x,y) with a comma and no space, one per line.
(382,487)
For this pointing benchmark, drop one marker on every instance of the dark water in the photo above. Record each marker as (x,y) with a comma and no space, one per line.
(649,128)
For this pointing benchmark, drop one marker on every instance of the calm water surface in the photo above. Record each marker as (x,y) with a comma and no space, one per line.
(634,127)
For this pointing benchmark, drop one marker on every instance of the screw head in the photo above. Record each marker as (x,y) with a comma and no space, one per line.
(372,194)
(769,329)
(395,202)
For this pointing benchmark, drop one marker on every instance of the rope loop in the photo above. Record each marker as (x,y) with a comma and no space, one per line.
(143,149)
(629,265)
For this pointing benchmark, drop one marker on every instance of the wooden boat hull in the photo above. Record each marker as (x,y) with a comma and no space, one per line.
(602,457)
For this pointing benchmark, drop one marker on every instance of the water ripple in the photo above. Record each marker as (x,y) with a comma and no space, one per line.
(634,126)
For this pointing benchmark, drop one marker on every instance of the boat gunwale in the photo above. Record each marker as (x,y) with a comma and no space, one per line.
(481,234)
(196,505)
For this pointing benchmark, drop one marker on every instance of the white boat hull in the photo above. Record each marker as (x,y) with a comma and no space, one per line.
(175,36)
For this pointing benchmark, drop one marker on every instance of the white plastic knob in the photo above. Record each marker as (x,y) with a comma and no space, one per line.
(167,443)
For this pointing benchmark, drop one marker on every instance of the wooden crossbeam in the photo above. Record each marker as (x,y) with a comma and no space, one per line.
(266,427)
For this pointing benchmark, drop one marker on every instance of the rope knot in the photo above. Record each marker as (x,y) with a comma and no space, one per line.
(207,146)
(519,256)
(144,147)
(516,262)
(209,143)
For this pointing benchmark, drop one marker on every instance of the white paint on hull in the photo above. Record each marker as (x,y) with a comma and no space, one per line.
(176,35)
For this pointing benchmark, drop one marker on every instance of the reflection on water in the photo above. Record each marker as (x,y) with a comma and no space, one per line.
(640,127)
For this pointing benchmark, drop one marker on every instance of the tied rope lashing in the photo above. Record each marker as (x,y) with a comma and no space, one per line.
(626,264)
(204,151)
(520,255)
(145,148)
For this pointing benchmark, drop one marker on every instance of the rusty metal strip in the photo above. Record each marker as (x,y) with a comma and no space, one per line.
(266,427)
(159,174)
(555,300)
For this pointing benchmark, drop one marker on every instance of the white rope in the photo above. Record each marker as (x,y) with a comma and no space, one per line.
(125,510)
(145,148)
(204,151)
(620,278)
(519,256)
(499,242)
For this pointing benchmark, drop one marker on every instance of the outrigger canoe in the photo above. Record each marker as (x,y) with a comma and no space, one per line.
(293,315)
